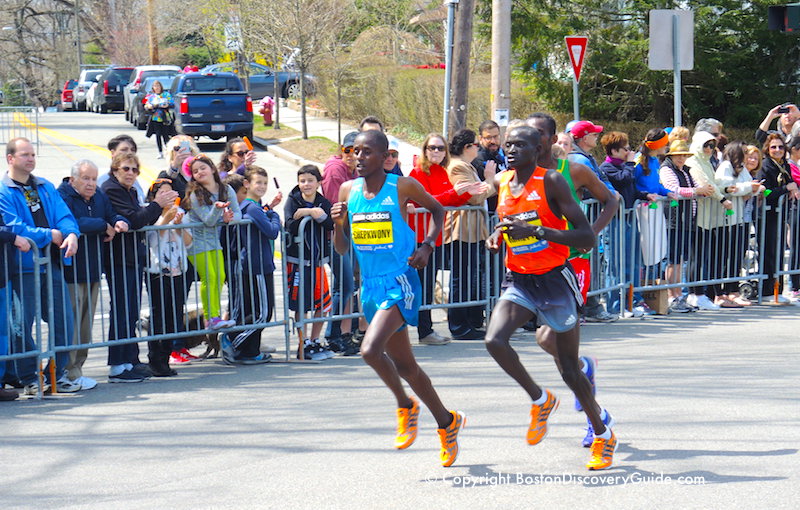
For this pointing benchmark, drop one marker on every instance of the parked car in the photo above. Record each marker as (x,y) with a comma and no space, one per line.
(90,97)
(138,74)
(213,105)
(84,84)
(138,115)
(108,93)
(67,98)
(261,80)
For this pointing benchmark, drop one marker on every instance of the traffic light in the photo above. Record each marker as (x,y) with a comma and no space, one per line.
(785,18)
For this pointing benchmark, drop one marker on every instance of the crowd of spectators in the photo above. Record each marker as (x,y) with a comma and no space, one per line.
(710,190)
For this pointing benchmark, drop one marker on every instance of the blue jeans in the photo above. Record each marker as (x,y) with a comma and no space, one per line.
(61,326)
(342,291)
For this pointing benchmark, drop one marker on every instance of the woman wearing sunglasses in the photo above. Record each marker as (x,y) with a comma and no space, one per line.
(236,157)
(777,176)
(124,262)
(711,223)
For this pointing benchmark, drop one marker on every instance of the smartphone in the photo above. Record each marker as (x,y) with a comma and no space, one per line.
(185,146)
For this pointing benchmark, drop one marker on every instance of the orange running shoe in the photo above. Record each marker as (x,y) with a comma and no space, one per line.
(449,439)
(407,425)
(539,415)
(602,453)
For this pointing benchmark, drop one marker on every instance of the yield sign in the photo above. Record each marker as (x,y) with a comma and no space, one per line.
(576,47)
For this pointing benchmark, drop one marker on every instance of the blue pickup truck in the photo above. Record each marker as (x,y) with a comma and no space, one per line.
(212,105)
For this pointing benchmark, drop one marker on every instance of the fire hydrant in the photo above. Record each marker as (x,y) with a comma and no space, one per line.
(267,105)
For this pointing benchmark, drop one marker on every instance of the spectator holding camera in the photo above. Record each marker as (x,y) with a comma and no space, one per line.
(788,114)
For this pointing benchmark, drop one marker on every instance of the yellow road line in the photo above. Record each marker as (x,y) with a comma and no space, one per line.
(148,173)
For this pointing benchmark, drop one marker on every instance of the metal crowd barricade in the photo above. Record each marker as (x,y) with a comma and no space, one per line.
(692,243)
(787,253)
(474,288)
(608,259)
(19,121)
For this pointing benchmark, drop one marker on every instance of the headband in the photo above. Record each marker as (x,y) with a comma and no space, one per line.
(657,144)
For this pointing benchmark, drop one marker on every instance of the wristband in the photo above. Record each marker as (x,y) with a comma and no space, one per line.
(431,243)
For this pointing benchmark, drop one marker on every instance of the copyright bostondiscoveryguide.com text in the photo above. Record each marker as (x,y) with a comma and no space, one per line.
(498,479)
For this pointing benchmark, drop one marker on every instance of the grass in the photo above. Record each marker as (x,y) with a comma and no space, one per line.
(317,148)
(269,133)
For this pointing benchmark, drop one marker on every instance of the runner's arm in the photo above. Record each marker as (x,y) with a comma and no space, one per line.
(561,203)
(341,225)
(583,177)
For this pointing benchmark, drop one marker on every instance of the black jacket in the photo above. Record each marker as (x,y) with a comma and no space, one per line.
(316,233)
(129,247)
(9,256)
(479,163)
(93,216)
(623,180)
(776,179)
(179,181)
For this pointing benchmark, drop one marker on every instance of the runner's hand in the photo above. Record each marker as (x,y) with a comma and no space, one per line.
(493,242)
(419,258)
(339,213)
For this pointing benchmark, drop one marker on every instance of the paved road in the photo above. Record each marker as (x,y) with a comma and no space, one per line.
(710,396)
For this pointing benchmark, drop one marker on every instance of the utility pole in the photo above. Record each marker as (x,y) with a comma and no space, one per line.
(448,65)
(151,30)
(79,48)
(501,62)
(461,62)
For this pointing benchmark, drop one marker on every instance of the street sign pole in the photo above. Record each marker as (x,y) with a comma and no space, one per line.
(448,65)
(576,104)
(676,69)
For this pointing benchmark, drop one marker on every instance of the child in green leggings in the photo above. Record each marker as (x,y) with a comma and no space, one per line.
(210,202)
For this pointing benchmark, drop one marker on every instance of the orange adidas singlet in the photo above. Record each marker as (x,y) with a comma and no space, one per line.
(530,255)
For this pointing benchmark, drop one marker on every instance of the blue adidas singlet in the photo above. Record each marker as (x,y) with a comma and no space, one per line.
(379,231)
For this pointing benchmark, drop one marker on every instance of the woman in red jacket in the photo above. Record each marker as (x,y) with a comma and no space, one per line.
(430,171)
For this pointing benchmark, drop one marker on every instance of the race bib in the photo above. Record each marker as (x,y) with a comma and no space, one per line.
(372,231)
(530,244)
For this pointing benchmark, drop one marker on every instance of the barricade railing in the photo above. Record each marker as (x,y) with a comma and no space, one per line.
(787,252)
(466,290)
(19,121)
(694,243)
(608,258)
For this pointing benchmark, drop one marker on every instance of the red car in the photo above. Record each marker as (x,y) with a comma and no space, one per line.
(67,98)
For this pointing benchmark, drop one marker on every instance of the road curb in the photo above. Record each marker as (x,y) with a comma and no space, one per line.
(285,155)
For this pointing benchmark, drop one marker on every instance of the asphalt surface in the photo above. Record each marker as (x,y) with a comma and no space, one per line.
(706,406)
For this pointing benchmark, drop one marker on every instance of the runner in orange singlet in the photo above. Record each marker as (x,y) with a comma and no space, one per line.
(534,205)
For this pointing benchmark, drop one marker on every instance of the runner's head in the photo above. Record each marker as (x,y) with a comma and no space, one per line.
(523,148)
(546,125)
(371,148)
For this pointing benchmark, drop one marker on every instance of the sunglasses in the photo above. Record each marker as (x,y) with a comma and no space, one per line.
(241,154)
(133,169)
(710,145)
(468,145)
(393,154)
(776,147)
(435,148)
(347,150)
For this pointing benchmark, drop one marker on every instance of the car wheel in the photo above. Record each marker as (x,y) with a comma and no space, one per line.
(291,90)
(103,108)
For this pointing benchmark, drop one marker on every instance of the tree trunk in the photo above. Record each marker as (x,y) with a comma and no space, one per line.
(461,60)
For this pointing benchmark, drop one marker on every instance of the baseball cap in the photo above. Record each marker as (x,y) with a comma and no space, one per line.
(569,125)
(349,139)
(584,127)
(394,144)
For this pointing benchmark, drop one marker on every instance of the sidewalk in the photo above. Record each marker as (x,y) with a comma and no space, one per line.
(327,127)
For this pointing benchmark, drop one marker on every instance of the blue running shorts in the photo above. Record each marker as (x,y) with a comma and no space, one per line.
(383,292)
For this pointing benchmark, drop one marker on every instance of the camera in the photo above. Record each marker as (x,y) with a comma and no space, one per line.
(784,108)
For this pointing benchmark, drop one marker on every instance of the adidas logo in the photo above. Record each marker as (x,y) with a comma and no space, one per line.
(570,320)
(534,196)
(387,201)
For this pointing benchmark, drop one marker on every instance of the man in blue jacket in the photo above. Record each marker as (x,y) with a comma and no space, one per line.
(32,208)
(98,223)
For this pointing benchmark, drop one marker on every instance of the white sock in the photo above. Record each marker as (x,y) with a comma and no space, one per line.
(541,400)
(115,369)
(604,435)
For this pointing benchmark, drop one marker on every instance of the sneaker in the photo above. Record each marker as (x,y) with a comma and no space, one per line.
(449,438)
(678,305)
(216,323)
(601,316)
(471,334)
(602,453)
(142,369)
(645,309)
(434,339)
(64,385)
(162,370)
(335,344)
(350,347)
(589,437)
(704,303)
(8,395)
(591,366)
(188,355)
(322,349)
(127,376)
(310,352)
(177,359)
(264,357)
(407,425)
(539,415)
(33,388)
(637,312)
(87,383)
